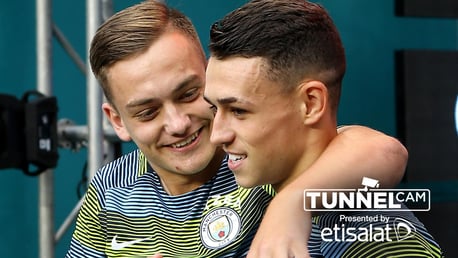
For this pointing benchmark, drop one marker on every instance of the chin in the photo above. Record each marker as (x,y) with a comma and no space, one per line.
(195,167)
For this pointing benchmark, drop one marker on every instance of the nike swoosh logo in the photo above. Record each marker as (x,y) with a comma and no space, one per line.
(118,246)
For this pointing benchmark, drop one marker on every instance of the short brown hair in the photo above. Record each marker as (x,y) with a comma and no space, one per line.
(296,38)
(131,32)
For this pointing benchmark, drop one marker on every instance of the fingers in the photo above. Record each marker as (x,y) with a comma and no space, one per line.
(279,250)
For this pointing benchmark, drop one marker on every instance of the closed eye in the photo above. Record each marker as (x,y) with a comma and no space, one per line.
(227,105)
(147,114)
(190,95)
(238,111)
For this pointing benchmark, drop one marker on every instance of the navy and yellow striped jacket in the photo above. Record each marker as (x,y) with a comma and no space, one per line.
(127,213)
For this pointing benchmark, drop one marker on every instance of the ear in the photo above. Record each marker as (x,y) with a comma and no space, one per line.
(116,121)
(314,97)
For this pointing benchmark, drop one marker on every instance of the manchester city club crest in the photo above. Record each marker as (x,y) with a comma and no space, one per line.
(219,227)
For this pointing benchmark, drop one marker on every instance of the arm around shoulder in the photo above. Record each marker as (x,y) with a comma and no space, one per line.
(355,153)
(375,154)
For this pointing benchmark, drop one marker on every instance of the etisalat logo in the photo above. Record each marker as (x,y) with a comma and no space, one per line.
(374,228)
(373,224)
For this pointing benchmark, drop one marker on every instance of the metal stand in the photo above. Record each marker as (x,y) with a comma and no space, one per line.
(98,142)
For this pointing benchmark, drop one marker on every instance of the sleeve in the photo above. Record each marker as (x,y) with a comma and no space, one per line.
(403,236)
(89,238)
(415,246)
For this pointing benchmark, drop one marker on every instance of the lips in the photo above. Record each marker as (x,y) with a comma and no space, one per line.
(235,157)
(235,161)
(186,141)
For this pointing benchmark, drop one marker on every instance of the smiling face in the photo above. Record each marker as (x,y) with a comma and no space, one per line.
(258,125)
(159,103)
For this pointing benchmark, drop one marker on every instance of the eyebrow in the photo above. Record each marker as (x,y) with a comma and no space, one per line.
(223,101)
(228,100)
(139,102)
(178,88)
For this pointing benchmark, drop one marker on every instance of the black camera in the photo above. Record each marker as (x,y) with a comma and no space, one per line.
(28,132)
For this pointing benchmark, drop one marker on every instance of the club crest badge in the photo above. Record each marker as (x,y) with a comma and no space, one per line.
(219,227)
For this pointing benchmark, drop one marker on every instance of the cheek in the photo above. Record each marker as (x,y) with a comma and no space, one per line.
(264,131)
(261,142)
(266,145)
(142,133)
(271,138)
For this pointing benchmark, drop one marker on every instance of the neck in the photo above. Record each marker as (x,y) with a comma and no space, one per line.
(317,141)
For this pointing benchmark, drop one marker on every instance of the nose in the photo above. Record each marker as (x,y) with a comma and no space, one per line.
(177,120)
(221,132)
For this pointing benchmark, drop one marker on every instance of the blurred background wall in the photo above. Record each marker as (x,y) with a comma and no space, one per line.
(371,33)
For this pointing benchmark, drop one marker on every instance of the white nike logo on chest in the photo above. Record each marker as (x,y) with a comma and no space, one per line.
(118,246)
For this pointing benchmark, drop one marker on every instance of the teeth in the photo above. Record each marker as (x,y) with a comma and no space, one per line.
(233,157)
(186,141)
